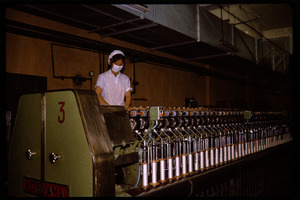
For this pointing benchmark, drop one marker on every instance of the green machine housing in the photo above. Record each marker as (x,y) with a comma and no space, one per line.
(65,144)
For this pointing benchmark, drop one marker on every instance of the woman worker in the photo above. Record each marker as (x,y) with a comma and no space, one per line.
(112,86)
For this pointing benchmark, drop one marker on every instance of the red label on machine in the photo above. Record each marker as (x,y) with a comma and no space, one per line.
(44,189)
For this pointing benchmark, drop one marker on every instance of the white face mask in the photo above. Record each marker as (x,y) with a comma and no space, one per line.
(117,68)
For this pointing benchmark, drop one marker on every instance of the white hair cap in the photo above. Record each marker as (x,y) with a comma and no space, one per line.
(115,52)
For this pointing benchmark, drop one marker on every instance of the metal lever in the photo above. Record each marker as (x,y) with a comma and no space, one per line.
(53,158)
(29,154)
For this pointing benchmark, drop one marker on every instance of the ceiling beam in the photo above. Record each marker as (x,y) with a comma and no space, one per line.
(210,56)
(129,30)
(173,45)
(114,25)
(61,16)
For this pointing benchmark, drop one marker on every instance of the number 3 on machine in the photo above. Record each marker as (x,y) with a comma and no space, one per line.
(61,117)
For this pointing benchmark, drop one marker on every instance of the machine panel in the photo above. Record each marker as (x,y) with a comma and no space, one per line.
(64,138)
(60,142)
(117,119)
(25,148)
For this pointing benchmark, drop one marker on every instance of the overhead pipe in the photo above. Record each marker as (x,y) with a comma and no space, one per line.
(77,78)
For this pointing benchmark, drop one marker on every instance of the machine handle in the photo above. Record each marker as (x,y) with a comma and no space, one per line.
(29,154)
(53,157)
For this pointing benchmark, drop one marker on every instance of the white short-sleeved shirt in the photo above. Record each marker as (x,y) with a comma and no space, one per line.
(113,88)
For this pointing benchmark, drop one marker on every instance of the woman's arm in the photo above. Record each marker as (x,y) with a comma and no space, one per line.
(98,91)
(128,98)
